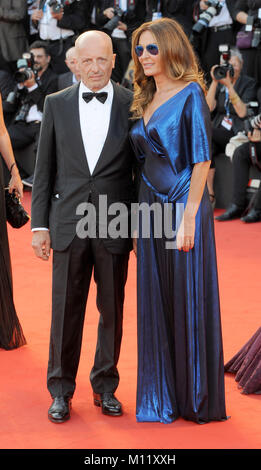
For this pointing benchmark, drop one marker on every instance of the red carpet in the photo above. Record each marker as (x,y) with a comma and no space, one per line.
(25,399)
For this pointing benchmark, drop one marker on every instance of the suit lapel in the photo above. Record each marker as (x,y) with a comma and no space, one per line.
(116,130)
(74,126)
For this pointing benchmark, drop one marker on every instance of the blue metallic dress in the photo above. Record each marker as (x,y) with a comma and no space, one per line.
(180,353)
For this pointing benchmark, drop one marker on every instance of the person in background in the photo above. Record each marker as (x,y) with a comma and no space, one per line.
(221,30)
(132,14)
(73,76)
(227,99)
(13,37)
(244,10)
(58,28)
(241,164)
(27,105)
(11,333)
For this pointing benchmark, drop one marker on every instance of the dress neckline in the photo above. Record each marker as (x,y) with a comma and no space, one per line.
(165,102)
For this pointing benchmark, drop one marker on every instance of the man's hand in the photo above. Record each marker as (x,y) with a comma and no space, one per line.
(109,12)
(203,5)
(30,82)
(255,136)
(57,16)
(122,26)
(37,15)
(41,244)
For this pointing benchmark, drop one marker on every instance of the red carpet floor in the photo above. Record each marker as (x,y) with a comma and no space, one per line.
(23,395)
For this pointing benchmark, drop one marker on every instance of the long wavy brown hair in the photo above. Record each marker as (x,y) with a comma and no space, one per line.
(177,57)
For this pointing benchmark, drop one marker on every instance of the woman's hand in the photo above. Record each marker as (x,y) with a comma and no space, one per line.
(186,233)
(15,183)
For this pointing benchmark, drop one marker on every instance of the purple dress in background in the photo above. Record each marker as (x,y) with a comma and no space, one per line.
(246,364)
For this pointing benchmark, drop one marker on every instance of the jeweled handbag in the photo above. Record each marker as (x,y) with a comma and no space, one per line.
(16,215)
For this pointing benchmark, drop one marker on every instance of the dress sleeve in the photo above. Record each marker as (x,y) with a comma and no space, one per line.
(200,128)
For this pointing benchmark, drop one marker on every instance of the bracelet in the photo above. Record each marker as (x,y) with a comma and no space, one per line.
(234,99)
(11,167)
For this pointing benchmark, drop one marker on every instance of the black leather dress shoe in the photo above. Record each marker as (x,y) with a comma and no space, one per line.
(253,215)
(233,212)
(109,404)
(59,410)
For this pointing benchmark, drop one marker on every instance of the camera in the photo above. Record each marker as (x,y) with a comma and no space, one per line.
(254,24)
(119,15)
(25,68)
(220,71)
(253,121)
(214,8)
(58,6)
(55,6)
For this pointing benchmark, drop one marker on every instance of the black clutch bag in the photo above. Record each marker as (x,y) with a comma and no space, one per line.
(16,215)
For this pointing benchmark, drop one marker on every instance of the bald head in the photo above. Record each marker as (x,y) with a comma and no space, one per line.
(70,53)
(71,62)
(95,58)
(89,38)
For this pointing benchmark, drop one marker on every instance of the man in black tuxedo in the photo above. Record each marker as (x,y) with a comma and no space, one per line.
(69,78)
(84,154)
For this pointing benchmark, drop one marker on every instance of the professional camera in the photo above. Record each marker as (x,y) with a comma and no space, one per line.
(254,24)
(25,68)
(214,8)
(119,15)
(220,71)
(253,121)
(57,7)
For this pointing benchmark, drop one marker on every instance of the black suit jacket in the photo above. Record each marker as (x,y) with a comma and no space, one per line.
(65,80)
(62,177)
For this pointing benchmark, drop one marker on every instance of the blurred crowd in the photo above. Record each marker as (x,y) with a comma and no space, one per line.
(37,57)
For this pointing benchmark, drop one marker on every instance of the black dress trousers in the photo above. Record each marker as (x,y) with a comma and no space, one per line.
(72,271)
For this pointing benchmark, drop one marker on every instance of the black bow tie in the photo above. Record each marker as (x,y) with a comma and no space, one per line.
(102,96)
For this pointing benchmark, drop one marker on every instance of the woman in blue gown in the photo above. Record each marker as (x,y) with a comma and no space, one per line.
(180,353)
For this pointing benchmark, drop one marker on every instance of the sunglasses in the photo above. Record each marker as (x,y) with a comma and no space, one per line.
(151,48)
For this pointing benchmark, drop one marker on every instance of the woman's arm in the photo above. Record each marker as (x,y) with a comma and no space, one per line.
(211,96)
(186,231)
(8,156)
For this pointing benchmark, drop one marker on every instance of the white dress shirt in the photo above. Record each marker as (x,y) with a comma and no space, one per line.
(223,18)
(48,29)
(94,121)
(34,114)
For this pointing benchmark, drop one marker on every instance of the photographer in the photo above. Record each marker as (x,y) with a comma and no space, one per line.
(119,18)
(227,100)
(13,39)
(247,13)
(219,30)
(241,163)
(26,102)
(57,24)
(179,10)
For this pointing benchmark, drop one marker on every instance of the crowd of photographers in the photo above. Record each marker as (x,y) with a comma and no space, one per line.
(37,57)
